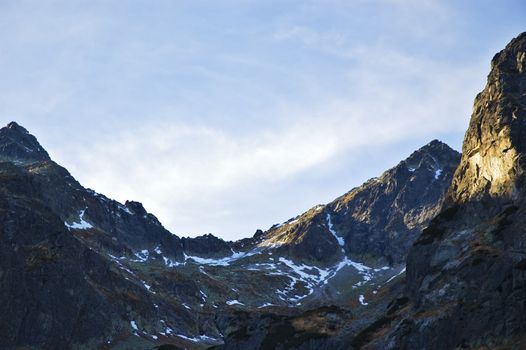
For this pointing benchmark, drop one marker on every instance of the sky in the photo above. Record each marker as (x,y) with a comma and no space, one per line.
(229,116)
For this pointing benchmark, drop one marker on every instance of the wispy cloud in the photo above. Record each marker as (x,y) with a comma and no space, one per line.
(229,116)
(181,170)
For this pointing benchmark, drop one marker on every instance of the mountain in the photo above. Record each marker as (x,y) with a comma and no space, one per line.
(360,240)
(336,252)
(80,270)
(430,255)
(466,273)
(62,282)
(379,219)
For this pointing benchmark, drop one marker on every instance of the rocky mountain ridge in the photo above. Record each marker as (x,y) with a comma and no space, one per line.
(377,221)
(70,248)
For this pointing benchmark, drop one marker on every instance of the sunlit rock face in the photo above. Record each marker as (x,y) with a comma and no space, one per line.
(492,163)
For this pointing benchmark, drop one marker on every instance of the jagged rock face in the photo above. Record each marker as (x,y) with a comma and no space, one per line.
(495,143)
(206,246)
(466,274)
(381,218)
(384,216)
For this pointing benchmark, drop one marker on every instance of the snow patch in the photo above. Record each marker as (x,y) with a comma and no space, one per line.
(142,256)
(170,263)
(398,274)
(167,330)
(199,339)
(125,209)
(313,276)
(120,265)
(220,262)
(135,328)
(339,239)
(382,268)
(81,224)
(361,299)
(265,305)
(437,167)
(148,287)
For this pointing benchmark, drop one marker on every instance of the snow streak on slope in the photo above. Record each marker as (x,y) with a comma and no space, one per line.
(339,239)
(81,224)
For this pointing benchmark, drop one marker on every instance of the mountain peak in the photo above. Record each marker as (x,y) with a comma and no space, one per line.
(435,143)
(515,46)
(494,149)
(434,155)
(15,126)
(435,146)
(18,145)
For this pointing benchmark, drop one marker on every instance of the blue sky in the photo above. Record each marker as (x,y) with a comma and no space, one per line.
(229,116)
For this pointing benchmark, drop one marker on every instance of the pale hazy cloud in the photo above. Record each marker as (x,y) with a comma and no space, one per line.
(230,116)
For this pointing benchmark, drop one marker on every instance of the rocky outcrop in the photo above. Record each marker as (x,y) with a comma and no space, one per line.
(466,274)
(495,143)
(206,246)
